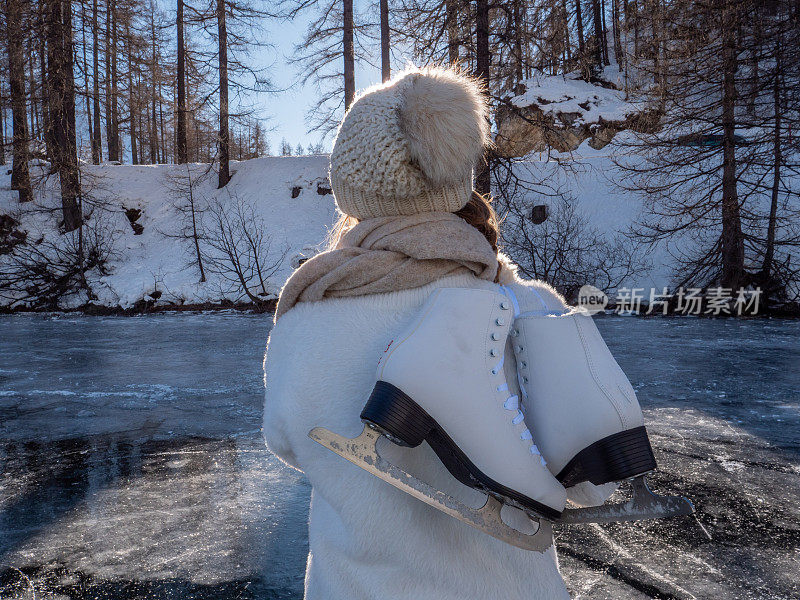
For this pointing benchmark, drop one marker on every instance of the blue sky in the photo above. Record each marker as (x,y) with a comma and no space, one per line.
(287,110)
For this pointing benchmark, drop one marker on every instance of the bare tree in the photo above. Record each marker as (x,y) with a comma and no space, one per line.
(326,56)
(240,249)
(183,188)
(549,239)
(40,271)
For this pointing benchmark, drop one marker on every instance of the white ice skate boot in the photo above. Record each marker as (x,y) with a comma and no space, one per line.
(442,381)
(581,408)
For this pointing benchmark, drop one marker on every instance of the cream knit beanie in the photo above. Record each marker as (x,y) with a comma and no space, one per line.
(409,146)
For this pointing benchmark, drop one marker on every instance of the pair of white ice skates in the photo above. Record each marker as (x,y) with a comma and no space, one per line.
(443,381)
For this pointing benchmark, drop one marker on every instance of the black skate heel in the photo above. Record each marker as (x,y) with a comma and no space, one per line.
(394,414)
(620,456)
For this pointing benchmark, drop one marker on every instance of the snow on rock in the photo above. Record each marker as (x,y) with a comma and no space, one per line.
(148,259)
(560,112)
(556,94)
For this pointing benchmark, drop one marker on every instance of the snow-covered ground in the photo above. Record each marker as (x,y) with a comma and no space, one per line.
(587,179)
(156,261)
(131,464)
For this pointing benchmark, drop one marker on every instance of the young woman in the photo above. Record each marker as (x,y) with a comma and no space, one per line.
(401,172)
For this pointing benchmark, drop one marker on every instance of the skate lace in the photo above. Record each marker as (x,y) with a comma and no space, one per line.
(512,403)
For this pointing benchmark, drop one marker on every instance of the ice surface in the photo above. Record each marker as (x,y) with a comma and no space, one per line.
(131,464)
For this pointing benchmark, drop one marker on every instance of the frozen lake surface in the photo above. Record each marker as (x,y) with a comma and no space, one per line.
(131,463)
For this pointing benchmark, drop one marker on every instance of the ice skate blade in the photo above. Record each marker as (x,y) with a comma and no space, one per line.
(362,452)
(644,504)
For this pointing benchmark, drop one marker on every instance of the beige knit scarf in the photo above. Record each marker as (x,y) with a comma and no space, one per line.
(388,254)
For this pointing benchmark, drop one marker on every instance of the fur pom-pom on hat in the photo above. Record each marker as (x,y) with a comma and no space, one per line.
(409,145)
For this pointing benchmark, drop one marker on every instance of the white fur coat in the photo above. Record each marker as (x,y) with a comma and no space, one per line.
(367,539)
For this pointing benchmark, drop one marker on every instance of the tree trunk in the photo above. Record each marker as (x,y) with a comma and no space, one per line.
(2,128)
(20,175)
(61,96)
(132,100)
(85,68)
(224,134)
(180,140)
(483,65)
(518,34)
(154,154)
(777,159)
(451,24)
(349,55)
(162,126)
(386,69)
(112,119)
(597,49)
(581,41)
(34,88)
(656,41)
(579,26)
(153,119)
(605,32)
(567,41)
(47,129)
(732,239)
(118,152)
(617,37)
(97,146)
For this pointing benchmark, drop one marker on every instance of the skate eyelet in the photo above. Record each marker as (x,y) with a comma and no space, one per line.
(525,380)
(520,348)
(524,364)
(514,333)
(492,352)
(494,371)
(495,336)
(504,305)
(500,321)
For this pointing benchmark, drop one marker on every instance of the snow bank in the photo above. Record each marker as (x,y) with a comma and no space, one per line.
(155,260)
(586,177)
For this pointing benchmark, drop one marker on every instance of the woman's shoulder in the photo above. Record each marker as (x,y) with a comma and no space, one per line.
(534,292)
(357,307)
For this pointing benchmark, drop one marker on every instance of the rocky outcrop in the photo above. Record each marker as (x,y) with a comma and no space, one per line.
(560,113)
